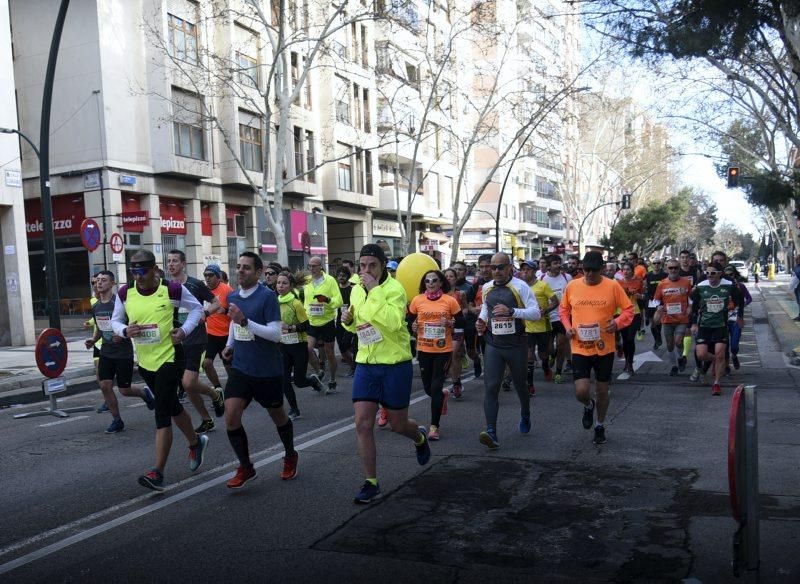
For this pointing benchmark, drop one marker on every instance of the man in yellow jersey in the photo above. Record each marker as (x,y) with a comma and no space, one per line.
(377,314)
(321,298)
(538,331)
(145,312)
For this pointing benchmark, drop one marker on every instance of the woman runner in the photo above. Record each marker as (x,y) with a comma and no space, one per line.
(634,288)
(459,356)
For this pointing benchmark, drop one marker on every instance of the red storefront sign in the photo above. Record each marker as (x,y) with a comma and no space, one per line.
(135,221)
(298,223)
(173,217)
(68,214)
(205,219)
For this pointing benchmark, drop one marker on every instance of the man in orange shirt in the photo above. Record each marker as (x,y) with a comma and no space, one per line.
(672,297)
(217,323)
(587,311)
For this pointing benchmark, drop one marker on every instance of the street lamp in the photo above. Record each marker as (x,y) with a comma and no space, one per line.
(23,136)
(496,220)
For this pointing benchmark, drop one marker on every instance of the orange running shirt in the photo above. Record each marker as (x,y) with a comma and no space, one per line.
(218,324)
(590,309)
(435,337)
(632,287)
(639,271)
(674,297)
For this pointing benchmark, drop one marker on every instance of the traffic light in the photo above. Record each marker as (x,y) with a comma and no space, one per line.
(626,201)
(733,177)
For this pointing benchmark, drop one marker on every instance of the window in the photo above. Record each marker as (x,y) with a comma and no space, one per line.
(310,160)
(308,85)
(432,188)
(354,52)
(248,70)
(345,166)
(412,74)
(513,212)
(367,125)
(364,48)
(187,125)
(342,98)
(182,39)
(250,151)
(368,167)
(295,66)
(298,152)
(357,103)
(359,170)
(505,211)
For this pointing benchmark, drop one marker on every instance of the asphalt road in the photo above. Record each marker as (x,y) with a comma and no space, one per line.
(651,505)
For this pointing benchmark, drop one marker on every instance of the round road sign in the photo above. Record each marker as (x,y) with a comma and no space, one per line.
(51,353)
(90,234)
(116,243)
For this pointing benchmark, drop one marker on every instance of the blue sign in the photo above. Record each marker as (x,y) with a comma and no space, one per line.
(51,353)
(90,234)
(127,179)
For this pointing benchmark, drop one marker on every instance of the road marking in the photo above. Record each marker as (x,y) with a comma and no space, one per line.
(64,421)
(642,358)
(133,515)
(137,405)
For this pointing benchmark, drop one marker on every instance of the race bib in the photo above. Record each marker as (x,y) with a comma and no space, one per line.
(433,331)
(589,332)
(316,309)
(150,335)
(458,334)
(368,334)
(183,314)
(653,304)
(104,323)
(503,325)
(242,333)
(715,305)
(674,308)
(290,338)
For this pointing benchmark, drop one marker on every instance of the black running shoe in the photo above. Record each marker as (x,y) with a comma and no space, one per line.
(681,364)
(674,371)
(478,367)
(588,415)
(599,435)
(735,361)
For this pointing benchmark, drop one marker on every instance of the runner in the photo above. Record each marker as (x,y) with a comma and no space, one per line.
(116,354)
(507,303)
(257,367)
(671,299)
(573,267)
(437,313)
(651,284)
(271,275)
(710,300)
(538,331)
(384,374)
(321,298)
(189,355)
(149,306)
(734,330)
(558,283)
(690,271)
(294,343)
(217,323)
(633,287)
(470,344)
(456,363)
(587,311)
(344,338)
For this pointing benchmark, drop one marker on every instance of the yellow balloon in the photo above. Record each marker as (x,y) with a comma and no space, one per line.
(411,270)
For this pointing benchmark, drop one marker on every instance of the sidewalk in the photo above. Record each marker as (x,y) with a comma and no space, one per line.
(781,309)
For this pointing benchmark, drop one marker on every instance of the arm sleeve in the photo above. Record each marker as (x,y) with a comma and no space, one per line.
(119,319)
(335,294)
(230,336)
(270,331)
(531,310)
(190,303)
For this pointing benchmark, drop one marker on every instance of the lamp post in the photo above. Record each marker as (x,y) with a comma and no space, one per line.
(496,220)
(23,136)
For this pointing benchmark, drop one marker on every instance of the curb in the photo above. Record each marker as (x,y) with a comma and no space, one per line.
(786,332)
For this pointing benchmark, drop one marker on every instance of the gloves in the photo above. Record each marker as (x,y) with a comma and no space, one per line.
(321,298)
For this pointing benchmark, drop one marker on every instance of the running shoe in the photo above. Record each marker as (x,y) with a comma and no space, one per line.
(149,398)
(531,390)
(694,377)
(102,408)
(293,414)
(599,435)
(548,375)
(506,385)
(424,449)
(716,389)
(735,361)
(367,494)
(219,402)
(478,367)
(457,390)
(445,399)
(205,426)
(181,395)
(674,371)
(197,451)
(117,425)
(152,479)
(321,374)
(433,433)
(383,417)
(657,345)
(558,378)
(625,375)
(620,352)
(681,364)
(289,466)
(525,424)
(489,439)
(243,474)
(639,335)
(331,388)
(588,415)
(316,384)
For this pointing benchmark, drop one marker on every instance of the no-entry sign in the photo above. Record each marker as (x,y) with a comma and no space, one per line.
(51,353)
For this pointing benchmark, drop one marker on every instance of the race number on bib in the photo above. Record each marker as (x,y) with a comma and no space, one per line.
(503,325)
(589,332)
(150,334)
(653,304)
(316,309)
(368,334)
(290,338)
(433,331)
(242,333)
(674,308)
(104,323)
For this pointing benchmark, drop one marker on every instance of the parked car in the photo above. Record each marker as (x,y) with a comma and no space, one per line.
(741,267)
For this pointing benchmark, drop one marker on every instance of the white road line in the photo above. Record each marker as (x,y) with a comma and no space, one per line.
(64,421)
(137,405)
(133,515)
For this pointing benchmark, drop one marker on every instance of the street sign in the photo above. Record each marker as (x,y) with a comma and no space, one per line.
(90,234)
(51,353)
(116,243)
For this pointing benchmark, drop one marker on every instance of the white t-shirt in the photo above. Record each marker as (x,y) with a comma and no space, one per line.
(558,284)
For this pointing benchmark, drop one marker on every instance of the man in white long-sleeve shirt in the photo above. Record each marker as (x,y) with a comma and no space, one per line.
(507,304)
(145,313)
(257,369)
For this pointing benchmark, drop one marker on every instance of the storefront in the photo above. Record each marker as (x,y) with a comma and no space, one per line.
(305,237)
(173,227)
(386,233)
(72,259)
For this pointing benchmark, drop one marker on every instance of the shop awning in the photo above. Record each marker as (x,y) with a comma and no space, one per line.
(433,236)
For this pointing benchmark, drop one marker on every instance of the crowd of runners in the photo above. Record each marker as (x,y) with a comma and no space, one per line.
(275,330)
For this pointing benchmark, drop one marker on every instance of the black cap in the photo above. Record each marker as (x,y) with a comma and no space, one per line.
(593,260)
(275,267)
(374,250)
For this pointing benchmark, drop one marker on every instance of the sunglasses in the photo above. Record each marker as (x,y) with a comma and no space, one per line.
(673,268)
(713,273)
(431,280)
(496,267)
(270,273)
(140,271)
